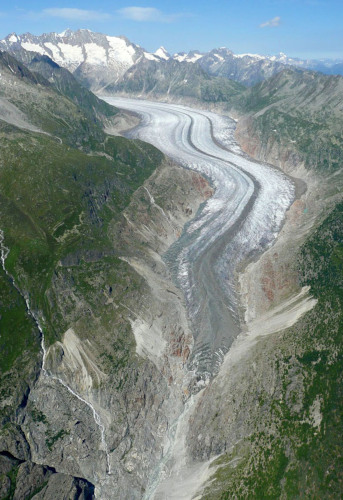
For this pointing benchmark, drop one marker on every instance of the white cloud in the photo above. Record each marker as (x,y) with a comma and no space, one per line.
(271,23)
(76,14)
(147,14)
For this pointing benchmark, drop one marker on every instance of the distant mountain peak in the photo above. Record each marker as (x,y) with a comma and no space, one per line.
(191,57)
(162,53)
(64,33)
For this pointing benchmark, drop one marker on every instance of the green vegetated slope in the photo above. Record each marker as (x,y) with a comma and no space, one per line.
(95,109)
(45,107)
(295,451)
(56,204)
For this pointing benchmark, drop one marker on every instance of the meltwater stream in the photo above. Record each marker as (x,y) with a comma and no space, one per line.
(4,251)
(243,217)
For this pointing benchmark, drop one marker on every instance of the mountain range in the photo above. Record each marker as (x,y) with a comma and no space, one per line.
(100,61)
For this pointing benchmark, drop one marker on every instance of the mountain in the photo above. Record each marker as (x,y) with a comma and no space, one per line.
(173,79)
(66,84)
(245,68)
(81,52)
(326,66)
(100,61)
(37,101)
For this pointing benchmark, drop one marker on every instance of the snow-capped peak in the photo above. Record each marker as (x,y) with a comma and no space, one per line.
(191,57)
(64,33)
(162,53)
(252,56)
(13,38)
(108,56)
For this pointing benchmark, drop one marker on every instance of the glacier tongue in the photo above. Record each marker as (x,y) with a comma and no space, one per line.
(242,218)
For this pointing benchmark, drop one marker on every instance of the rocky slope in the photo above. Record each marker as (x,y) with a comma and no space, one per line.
(30,101)
(302,110)
(172,80)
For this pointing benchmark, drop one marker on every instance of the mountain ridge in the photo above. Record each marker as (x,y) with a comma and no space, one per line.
(98,60)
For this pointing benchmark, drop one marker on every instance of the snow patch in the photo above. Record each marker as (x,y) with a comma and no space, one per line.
(150,57)
(162,53)
(72,54)
(95,54)
(187,57)
(34,47)
(180,57)
(253,56)
(120,51)
(56,54)
(194,58)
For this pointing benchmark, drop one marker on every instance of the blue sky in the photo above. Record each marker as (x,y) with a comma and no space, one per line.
(303,28)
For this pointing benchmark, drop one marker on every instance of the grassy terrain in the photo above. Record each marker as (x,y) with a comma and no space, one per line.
(61,79)
(56,205)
